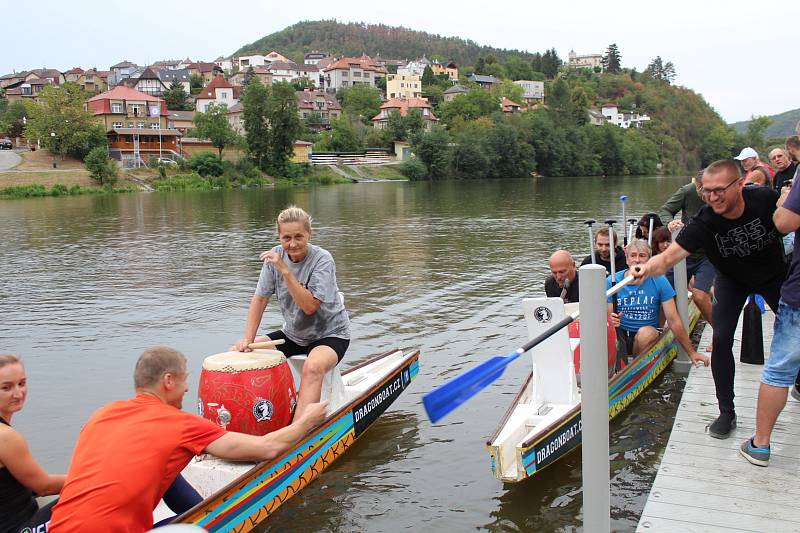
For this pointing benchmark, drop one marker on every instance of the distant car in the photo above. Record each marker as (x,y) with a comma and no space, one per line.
(5,144)
(165,161)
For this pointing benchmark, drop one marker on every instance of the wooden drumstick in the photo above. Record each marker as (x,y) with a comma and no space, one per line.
(265,344)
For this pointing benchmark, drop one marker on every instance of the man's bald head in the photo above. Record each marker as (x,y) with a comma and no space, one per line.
(780,158)
(562,267)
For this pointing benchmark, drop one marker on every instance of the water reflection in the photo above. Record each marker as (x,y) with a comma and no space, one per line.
(376,478)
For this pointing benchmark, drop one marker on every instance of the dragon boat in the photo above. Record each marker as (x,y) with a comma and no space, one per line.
(543,423)
(239,496)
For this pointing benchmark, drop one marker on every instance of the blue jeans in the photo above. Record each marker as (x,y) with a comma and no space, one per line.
(784,358)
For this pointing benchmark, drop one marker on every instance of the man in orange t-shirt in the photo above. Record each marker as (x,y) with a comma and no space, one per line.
(130,451)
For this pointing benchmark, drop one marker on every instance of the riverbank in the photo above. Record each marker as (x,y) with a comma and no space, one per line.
(38,183)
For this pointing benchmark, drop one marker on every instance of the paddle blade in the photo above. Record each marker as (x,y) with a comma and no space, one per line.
(446,397)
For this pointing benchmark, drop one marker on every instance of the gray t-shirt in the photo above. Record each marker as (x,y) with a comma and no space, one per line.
(317,273)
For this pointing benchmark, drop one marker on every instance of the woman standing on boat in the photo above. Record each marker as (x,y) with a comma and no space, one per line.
(21,477)
(303,278)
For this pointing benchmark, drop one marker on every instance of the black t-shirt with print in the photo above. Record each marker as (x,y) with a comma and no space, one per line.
(747,249)
(552,290)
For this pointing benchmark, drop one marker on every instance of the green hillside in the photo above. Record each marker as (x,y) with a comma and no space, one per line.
(782,125)
(355,38)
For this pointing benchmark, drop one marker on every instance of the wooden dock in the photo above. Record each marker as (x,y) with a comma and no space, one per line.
(704,484)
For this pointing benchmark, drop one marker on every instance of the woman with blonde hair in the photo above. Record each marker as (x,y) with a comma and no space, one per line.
(303,278)
(21,476)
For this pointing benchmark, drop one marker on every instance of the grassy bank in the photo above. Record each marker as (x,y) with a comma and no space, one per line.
(71,183)
(59,189)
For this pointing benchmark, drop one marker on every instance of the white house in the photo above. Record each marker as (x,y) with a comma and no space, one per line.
(623,119)
(288,71)
(533,90)
(415,67)
(349,71)
(219,91)
(584,61)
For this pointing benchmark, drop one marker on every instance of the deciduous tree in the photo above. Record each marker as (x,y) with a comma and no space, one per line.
(59,121)
(214,126)
(254,113)
(362,101)
(102,168)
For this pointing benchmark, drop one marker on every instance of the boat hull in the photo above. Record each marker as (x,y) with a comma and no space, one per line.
(564,435)
(253,497)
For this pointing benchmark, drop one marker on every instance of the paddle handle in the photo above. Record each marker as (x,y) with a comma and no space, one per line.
(265,344)
(567,319)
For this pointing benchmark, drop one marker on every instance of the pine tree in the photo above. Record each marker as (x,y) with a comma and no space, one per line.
(427,76)
(612,61)
(176,96)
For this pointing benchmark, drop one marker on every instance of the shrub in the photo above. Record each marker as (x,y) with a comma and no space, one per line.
(101,167)
(59,190)
(414,169)
(206,164)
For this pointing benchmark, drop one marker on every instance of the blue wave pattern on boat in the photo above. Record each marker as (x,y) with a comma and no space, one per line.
(622,391)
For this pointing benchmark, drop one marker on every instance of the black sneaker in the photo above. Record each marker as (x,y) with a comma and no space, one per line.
(722,426)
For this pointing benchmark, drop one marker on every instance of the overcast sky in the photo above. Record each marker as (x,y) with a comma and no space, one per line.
(738,55)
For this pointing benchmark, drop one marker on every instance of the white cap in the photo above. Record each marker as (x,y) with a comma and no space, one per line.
(746,153)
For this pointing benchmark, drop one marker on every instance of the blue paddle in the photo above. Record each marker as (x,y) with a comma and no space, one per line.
(446,397)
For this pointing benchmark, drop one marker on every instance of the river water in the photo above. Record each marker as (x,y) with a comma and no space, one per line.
(88,282)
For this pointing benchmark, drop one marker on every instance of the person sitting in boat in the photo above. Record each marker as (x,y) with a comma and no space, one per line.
(603,252)
(21,476)
(303,276)
(643,226)
(563,280)
(131,451)
(637,308)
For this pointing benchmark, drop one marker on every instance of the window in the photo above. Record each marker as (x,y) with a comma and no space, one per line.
(140,125)
(205,107)
(130,124)
(134,109)
(224,95)
(154,126)
(356,74)
(344,84)
(345,74)
(116,125)
(116,107)
(366,74)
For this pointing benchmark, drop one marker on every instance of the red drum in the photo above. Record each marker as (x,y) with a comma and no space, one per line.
(249,392)
(574,329)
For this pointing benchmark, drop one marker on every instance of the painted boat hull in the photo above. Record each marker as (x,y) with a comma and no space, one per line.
(564,435)
(254,496)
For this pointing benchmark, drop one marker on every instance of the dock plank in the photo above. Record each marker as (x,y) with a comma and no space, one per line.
(703,484)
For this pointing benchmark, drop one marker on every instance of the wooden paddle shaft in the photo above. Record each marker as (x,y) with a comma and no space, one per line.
(265,344)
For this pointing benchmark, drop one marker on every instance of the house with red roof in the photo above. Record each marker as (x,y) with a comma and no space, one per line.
(72,75)
(404,106)
(93,80)
(207,71)
(317,108)
(219,91)
(135,123)
(510,106)
(27,90)
(349,71)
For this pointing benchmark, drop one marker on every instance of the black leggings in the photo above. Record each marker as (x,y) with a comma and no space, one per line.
(731,296)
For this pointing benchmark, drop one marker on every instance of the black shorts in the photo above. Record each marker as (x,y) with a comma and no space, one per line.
(627,338)
(291,348)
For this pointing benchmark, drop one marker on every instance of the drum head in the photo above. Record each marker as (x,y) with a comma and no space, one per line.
(241,361)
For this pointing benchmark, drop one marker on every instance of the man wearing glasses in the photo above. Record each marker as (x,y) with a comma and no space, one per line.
(736,230)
